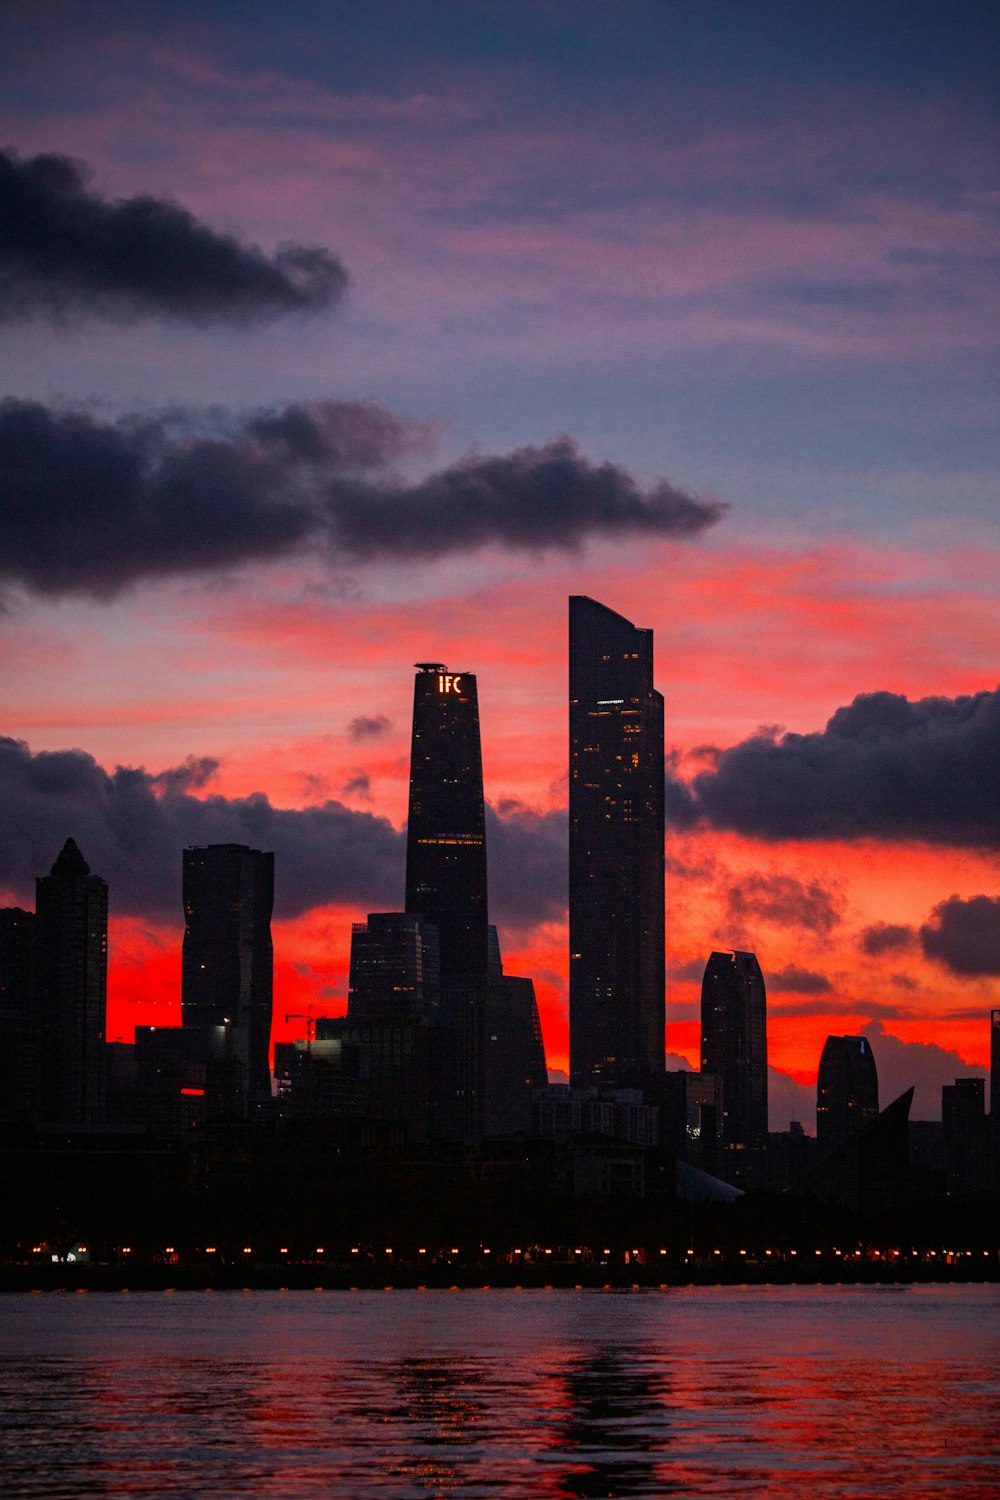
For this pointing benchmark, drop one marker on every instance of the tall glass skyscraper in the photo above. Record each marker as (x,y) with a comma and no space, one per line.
(72,932)
(734,1045)
(227,959)
(446,833)
(616,815)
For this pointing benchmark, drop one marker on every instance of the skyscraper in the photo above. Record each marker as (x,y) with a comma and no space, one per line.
(72,936)
(446,833)
(228,959)
(484,1045)
(616,815)
(846,1090)
(734,1045)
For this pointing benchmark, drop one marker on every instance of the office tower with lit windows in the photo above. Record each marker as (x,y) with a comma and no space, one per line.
(227,967)
(846,1090)
(446,831)
(616,825)
(734,1045)
(484,1048)
(71,925)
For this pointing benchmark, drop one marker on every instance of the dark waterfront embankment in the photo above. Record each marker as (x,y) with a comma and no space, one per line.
(337,1277)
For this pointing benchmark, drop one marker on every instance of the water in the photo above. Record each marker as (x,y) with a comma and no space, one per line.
(784,1392)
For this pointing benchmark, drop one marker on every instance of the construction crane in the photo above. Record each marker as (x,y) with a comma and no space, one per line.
(309,1019)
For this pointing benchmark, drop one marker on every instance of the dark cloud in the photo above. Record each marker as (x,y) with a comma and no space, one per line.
(784,901)
(883,937)
(359,785)
(527,864)
(65,251)
(693,969)
(532,499)
(196,772)
(964,935)
(923,1065)
(788,1100)
(883,768)
(134,837)
(91,507)
(132,826)
(794,981)
(367,726)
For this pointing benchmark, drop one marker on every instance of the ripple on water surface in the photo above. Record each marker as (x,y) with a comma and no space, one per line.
(783,1392)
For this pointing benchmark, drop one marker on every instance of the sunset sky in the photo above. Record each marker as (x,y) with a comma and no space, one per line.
(338,337)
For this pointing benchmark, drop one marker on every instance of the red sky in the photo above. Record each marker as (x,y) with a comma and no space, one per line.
(756,259)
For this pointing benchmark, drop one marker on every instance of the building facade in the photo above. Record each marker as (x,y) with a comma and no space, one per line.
(227,965)
(71,928)
(616,826)
(734,1045)
(846,1090)
(446,831)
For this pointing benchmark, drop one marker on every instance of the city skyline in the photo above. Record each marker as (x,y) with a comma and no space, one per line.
(694,319)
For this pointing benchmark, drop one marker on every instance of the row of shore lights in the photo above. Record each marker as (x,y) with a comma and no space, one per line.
(356,1250)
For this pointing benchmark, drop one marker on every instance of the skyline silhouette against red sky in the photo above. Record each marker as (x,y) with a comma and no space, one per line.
(694,314)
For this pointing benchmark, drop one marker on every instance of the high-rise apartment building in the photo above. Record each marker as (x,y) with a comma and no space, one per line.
(446,833)
(846,1090)
(734,1045)
(616,824)
(227,964)
(72,946)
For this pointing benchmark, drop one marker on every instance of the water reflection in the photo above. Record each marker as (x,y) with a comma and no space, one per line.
(520,1397)
(616,1424)
(442,1409)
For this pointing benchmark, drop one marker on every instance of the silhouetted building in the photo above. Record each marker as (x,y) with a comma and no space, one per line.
(870,1171)
(489,1057)
(690,1116)
(446,832)
(734,1045)
(965,1133)
(616,825)
(846,1090)
(393,1017)
(395,974)
(72,934)
(995,1095)
(227,969)
(318,1079)
(562,1112)
(175,1067)
(483,1039)
(17,1013)
(513,1055)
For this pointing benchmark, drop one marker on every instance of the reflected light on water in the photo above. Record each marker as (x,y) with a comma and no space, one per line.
(784,1392)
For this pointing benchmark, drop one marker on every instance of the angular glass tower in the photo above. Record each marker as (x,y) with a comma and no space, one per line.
(846,1090)
(227,958)
(616,813)
(734,1045)
(446,832)
(72,935)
